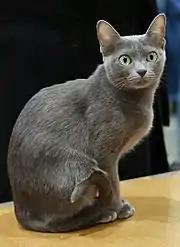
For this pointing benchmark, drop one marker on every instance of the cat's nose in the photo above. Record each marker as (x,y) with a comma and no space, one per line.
(141,72)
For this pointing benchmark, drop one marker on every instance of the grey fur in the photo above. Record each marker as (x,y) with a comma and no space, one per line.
(67,141)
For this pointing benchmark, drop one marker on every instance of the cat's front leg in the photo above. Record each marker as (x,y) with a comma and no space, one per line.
(120,208)
(126,210)
(123,207)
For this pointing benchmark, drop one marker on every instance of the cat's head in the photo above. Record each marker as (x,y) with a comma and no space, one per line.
(133,61)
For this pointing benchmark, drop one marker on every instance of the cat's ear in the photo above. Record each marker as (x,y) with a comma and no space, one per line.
(107,37)
(157,30)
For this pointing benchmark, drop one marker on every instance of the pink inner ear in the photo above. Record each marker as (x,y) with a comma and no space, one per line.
(156,39)
(107,36)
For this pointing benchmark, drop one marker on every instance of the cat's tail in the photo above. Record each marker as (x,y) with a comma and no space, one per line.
(96,186)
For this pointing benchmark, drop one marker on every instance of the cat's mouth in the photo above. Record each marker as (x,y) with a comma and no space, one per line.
(135,80)
(140,82)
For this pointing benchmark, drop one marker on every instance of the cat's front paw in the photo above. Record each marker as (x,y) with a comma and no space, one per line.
(126,211)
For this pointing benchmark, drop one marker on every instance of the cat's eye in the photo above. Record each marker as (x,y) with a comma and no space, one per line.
(152,57)
(125,60)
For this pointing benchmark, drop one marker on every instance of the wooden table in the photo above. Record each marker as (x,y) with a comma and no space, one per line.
(156,222)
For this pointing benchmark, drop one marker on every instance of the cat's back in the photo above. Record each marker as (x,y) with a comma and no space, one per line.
(59,94)
(50,112)
(55,100)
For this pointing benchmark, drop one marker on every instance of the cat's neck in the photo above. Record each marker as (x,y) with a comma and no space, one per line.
(99,73)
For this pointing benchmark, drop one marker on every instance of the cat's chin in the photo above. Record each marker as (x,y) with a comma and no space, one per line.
(141,86)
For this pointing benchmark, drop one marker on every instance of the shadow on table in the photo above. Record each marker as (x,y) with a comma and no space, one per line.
(160,209)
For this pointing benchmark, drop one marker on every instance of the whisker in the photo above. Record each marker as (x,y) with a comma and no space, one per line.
(120,86)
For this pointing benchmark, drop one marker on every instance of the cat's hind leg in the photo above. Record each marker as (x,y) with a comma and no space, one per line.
(87,218)
(110,216)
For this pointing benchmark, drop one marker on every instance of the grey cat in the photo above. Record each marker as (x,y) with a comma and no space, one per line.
(67,141)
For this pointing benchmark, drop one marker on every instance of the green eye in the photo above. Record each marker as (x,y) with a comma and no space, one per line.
(125,60)
(152,57)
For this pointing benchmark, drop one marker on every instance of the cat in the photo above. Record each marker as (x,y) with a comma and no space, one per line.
(66,143)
